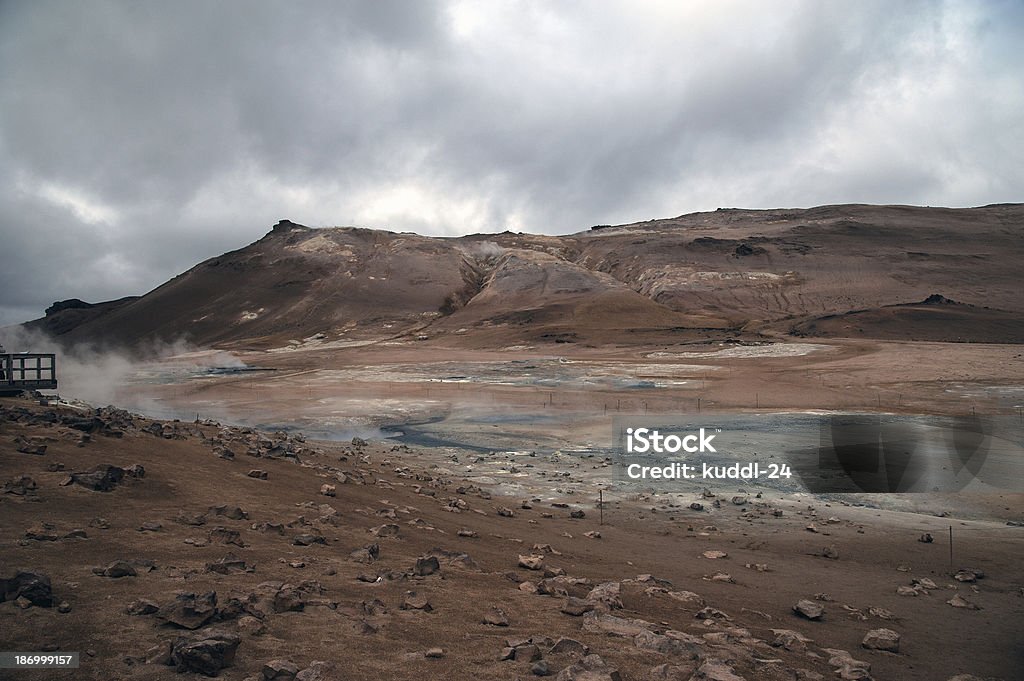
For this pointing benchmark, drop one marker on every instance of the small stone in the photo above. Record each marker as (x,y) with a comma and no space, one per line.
(434,653)
(328,490)
(531,562)
(577,514)
(712,554)
(540,668)
(258,474)
(926,538)
(63,607)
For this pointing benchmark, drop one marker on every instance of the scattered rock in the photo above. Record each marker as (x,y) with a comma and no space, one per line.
(387,530)
(328,490)
(118,569)
(434,653)
(34,587)
(495,617)
(958,601)
(714,554)
(102,478)
(590,668)
(926,538)
(258,474)
(540,668)
(790,640)
(414,601)
(308,539)
(321,671)
(600,623)
(570,646)
(882,639)
(142,606)
(29,446)
(809,609)
(577,606)
(715,670)
(280,670)
(206,653)
(531,562)
(426,565)
(22,485)
(189,610)
(230,512)
(607,595)
(229,564)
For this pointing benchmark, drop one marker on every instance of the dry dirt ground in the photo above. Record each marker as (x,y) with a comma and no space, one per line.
(692,616)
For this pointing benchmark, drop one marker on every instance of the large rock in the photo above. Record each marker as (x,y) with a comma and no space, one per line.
(809,609)
(715,670)
(426,565)
(189,610)
(32,586)
(606,594)
(599,623)
(321,671)
(206,653)
(882,639)
(120,568)
(590,668)
(280,670)
(102,478)
(667,645)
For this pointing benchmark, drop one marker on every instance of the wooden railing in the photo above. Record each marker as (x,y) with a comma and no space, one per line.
(28,371)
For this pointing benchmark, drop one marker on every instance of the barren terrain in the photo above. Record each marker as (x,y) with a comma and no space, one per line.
(361,454)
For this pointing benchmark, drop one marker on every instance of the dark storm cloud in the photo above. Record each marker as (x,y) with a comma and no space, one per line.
(137,138)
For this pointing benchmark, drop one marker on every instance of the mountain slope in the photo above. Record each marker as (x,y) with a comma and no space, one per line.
(693,277)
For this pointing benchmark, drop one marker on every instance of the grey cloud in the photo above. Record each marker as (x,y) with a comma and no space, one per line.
(137,138)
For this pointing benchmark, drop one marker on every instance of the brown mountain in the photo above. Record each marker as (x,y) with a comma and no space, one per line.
(698,276)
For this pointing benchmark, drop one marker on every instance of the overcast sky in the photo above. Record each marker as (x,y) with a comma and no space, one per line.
(139,138)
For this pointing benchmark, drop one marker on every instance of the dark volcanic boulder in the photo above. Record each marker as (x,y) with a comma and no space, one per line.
(101,478)
(190,611)
(35,586)
(206,653)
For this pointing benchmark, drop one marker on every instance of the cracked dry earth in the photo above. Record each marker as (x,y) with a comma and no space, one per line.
(169,550)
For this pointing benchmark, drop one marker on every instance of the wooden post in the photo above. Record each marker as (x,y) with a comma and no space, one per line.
(600,504)
(951,548)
